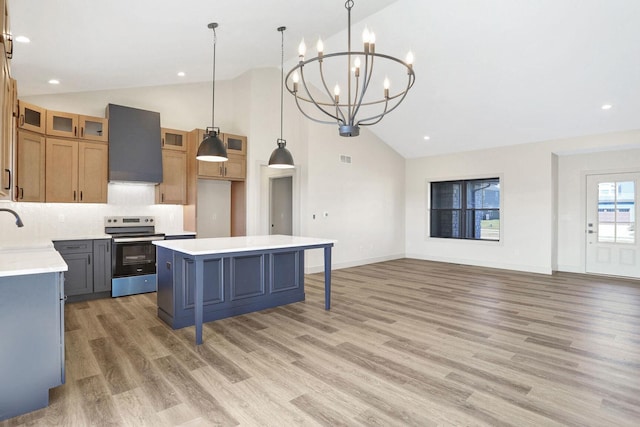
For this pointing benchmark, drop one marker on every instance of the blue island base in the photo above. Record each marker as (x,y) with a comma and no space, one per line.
(234,284)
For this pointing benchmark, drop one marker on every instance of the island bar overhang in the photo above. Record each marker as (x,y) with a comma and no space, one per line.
(238,274)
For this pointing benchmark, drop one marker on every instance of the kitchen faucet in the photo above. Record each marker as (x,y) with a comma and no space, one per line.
(18,220)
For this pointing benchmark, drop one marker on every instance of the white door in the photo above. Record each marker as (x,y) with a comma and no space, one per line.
(281,205)
(613,247)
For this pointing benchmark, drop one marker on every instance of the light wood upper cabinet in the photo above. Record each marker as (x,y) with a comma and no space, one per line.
(31,117)
(61,124)
(173,188)
(233,169)
(93,172)
(76,171)
(71,125)
(30,167)
(173,139)
(61,171)
(93,128)
(5,37)
(235,144)
(7,128)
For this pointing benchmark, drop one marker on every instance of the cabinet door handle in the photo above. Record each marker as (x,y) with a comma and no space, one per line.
(75,131)
(80,195)
(162,197)
(225,171)
(163,142)
(81,131)
(22,192)
(221,171)
(74,194)
(21,119)
(89,256)
(8,187)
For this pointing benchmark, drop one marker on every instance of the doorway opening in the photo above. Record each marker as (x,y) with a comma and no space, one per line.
(281,205)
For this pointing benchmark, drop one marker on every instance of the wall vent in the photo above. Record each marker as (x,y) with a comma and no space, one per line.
(345,159)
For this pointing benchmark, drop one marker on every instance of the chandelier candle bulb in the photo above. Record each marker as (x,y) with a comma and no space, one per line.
(336,93)
(410,59)
(386,85)
(296,79)
(320,47)
(302,49)
(356,65)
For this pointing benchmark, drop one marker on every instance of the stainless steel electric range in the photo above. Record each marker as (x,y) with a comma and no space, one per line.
(133,256)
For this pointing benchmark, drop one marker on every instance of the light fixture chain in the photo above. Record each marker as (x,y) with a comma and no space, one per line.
(350,110)
(213,96)
(281,78)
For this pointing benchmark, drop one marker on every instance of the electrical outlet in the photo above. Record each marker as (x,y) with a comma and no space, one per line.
(325,214)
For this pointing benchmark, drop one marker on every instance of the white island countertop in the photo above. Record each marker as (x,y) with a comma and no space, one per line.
(220,245)
(21,260)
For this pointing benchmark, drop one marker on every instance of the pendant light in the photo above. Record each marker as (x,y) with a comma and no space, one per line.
(281,158)
(212,148)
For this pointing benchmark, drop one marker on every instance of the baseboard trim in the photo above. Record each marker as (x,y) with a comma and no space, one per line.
(356,263)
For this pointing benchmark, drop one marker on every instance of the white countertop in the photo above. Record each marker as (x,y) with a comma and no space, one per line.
(97,236)
(19,261)
(220,245)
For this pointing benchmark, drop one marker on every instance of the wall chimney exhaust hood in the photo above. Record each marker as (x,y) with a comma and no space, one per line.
(135,147)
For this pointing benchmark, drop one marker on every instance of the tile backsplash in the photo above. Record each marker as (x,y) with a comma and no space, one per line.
(46,221)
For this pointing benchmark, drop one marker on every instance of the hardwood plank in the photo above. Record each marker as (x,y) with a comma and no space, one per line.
(407,342)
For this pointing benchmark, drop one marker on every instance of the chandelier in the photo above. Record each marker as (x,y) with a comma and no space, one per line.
(358,107)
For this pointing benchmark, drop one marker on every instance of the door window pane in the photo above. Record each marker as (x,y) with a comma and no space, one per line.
(616,212)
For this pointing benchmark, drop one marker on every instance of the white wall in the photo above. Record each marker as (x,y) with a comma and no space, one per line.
(525,187)
(364,200)
(542,191)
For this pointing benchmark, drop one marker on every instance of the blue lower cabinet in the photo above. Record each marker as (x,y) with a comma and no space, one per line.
(233,285)
(32,341)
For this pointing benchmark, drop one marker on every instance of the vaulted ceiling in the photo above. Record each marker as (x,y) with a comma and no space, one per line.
(488,73)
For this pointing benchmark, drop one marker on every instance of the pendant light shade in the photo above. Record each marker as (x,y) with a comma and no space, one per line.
(212,148)
(281,158)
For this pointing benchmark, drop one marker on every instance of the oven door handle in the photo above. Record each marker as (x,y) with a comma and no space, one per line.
(136,239)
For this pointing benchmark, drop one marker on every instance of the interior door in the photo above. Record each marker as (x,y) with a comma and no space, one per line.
(281,205)
(613,247)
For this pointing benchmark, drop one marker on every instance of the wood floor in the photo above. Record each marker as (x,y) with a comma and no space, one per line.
(406,342)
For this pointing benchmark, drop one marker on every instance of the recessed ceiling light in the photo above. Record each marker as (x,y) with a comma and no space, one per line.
(427,137)
(54,82)
(22,39)
(181,74)
(606,106)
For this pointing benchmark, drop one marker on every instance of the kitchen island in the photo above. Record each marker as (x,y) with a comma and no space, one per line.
(209,279)
(31,327)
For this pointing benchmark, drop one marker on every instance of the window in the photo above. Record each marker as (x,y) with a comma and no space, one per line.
(466,209)
(616,212)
